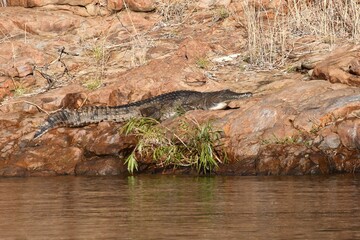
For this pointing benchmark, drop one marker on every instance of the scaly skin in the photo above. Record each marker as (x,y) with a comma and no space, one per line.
(160,107)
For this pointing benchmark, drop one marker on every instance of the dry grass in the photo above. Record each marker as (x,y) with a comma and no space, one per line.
(98,56)
(266,39)
(327,19)
(3,3)
(271,39)
(176,11)
(139,43)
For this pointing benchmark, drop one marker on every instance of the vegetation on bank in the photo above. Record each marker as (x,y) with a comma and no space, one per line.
(275,33)
(194,145)
(274,36)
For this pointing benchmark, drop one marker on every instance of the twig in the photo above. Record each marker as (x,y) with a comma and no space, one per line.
(82,104)
(13,81)
(38,107)
(118,18)
(52,79)
(177,137)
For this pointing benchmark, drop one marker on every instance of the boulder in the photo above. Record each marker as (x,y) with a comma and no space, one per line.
(141,5)
(115,5)
(104,166)
(341,66)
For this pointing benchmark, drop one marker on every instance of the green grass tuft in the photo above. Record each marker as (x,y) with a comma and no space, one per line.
(202,62)
(194,148)
(93,84)
(20,91)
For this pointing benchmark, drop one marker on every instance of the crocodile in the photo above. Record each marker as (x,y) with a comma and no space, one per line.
(160,107)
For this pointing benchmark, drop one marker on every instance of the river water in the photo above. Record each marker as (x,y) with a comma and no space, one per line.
(178,207)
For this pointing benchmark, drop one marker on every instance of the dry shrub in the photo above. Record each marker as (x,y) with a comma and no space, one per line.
(266,37)
(326,19)
(271,39)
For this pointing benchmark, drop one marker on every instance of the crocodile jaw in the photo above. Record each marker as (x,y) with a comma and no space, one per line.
(219,106)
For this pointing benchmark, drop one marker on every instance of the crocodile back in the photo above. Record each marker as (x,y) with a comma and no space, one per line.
(160,107)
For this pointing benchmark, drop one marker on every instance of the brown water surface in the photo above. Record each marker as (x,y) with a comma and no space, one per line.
(174,207)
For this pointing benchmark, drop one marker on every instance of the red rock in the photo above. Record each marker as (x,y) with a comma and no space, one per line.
(13,171)
(100,96)
(195,79)
(24,70)
(12,72)
(95,9)
(52,161)
(322,165)
(39,3)
(73,100)
(192,50)
(17,59)
(6,86)
(4,30)
(29,108)
(104,166)
(349,133)
(52,104)
(331,141)
(115,5)
(28,81)
(107,140)
(212,3)
(285,163)
(335,68)
(141,5)
(343,161)
(117,97)
(354,66)
(20,3)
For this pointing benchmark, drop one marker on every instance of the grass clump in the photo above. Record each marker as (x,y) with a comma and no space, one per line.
(220,14)
(93,84)
(298,139)
(202,153)
(98,53)
(20,91)
(195,147)
(288,140)
(202,62)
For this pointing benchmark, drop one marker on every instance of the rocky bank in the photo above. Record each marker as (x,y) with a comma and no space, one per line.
(58,54)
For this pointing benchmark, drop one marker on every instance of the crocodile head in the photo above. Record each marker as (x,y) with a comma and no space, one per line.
(221,99)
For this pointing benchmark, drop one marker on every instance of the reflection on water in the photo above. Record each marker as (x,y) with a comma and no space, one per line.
(173,207)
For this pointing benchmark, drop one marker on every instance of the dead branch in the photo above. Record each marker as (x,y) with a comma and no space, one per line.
(52,79)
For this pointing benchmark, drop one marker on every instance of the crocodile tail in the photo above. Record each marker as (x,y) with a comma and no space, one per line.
(57,119)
